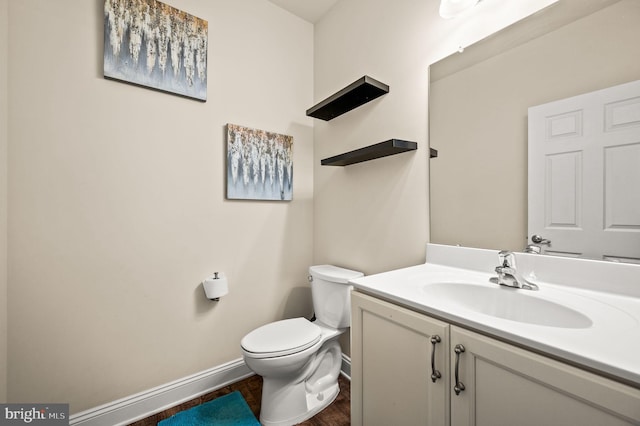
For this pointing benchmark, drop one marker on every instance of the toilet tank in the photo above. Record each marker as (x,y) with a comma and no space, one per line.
(332,294)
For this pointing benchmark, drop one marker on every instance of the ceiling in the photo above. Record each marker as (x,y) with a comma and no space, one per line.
(309,10)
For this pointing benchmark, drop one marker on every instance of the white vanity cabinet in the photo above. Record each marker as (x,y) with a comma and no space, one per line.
(503,384)
(391,371)
(507,385)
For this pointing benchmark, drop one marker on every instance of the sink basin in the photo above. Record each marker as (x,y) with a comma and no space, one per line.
(508,303)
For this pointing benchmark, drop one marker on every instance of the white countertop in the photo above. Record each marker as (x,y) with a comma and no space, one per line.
(611,345)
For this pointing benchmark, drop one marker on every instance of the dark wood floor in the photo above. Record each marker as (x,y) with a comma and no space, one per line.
(336,414)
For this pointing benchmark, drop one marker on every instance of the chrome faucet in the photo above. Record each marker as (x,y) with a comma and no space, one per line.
(507,274)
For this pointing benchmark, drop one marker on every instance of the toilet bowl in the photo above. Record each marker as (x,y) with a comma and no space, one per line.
(300,360)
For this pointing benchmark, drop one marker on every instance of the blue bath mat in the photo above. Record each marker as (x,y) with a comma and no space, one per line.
(229,409)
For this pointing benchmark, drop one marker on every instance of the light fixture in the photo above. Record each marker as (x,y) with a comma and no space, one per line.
(452,8)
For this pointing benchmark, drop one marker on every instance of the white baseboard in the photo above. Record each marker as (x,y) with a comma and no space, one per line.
(147,403)
(144,404)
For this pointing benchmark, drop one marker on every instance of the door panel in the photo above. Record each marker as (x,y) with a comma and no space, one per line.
(584,174)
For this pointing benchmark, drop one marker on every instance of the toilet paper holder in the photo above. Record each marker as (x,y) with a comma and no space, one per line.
(215,286)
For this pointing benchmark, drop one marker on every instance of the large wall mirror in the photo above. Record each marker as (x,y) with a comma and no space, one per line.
(478,112)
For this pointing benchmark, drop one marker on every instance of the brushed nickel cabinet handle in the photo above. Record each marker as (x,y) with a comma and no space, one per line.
(459,387)
(435,374)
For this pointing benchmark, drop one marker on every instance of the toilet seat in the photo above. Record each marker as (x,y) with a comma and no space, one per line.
(281,338)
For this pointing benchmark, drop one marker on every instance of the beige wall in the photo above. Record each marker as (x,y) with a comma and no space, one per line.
(4,54)
(117,205)
(373,216)
(116,193)
(483,163)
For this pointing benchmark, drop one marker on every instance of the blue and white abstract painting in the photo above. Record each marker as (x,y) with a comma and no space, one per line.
(152,44)
(259,164)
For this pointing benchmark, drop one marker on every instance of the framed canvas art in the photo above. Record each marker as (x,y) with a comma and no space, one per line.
(259,164)
(151,44)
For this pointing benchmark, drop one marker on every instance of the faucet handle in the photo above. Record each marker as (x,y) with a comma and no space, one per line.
(507,259)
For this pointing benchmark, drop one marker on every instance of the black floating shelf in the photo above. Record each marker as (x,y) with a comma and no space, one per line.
(371,152)
(357,93)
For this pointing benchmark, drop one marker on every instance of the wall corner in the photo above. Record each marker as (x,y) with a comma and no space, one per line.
(4,136)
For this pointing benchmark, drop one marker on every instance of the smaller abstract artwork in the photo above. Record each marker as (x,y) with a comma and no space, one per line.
(152,44)
(259,164)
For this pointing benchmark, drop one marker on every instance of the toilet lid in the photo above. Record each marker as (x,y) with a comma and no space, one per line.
(334,274)
(281,338)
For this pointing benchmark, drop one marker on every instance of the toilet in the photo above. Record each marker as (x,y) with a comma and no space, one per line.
(300,360)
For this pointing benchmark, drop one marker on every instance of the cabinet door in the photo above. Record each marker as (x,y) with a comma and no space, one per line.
(506,385)
(391,370)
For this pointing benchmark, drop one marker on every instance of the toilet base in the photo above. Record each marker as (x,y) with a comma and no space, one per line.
(294,398)
(315,404)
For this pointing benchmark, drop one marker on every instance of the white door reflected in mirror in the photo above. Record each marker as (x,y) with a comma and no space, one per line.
(584,174)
